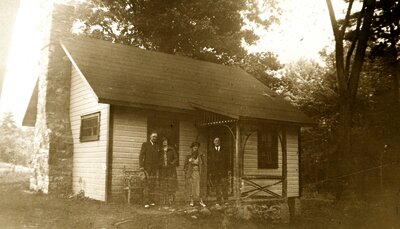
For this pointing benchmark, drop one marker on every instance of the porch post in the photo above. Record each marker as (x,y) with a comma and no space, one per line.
(236,169)
(284,163)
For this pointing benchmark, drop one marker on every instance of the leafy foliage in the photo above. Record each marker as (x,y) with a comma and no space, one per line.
(211,30)
(375,129)
(263,66)
(386,28)
(370,30)
(16,145)
(312,87)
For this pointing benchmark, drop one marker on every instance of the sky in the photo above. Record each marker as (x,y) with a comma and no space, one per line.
(22,65)
(303,31)
(8,14)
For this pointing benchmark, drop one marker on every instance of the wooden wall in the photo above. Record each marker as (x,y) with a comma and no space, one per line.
(250,165)
(293,183)
(89,158)
(130,131)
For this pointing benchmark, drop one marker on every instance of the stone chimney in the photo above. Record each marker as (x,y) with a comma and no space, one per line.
(53,149)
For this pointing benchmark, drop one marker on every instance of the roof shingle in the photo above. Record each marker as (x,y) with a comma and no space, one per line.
(130,75)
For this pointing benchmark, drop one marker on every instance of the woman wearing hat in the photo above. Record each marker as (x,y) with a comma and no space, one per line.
(194,166)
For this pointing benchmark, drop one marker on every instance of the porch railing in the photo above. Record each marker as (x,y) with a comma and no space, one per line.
(256,188)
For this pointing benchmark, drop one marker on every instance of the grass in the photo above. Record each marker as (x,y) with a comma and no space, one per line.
(9,177)
(21,208)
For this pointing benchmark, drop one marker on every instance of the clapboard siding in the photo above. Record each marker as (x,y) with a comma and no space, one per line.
(89,160)
(250,164)
(292,162)
(129,132)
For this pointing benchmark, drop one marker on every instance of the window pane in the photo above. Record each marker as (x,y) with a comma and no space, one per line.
(86,132)
(267,148)
(89,127)
(94,130)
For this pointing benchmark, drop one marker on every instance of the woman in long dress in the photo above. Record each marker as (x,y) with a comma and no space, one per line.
(168,176)
(194,167)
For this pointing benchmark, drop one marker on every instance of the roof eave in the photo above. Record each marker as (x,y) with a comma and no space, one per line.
(146,106)
(198,106)
(301,123)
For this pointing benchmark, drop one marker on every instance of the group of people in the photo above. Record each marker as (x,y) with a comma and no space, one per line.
(159,162)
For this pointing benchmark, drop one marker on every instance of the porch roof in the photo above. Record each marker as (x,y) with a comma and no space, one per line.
(126,75)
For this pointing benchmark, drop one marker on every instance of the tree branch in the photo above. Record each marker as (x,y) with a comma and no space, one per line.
(341,77)
(361,47)
(393,40)
(347,18)
(333,19)
(353,42)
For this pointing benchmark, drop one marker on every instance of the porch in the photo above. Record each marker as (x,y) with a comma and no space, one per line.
(252,180)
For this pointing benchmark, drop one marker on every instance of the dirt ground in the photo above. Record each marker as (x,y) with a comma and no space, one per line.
(20,208)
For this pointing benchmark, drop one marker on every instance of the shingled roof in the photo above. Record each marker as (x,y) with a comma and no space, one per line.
(126,75)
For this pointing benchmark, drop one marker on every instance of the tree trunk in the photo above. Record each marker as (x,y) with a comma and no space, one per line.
(395,72)
(344,153)
(348,74)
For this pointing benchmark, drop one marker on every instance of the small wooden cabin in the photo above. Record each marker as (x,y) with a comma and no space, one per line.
(119,93)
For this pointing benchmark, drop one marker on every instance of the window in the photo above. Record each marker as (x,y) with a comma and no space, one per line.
(267,148)
(90,127)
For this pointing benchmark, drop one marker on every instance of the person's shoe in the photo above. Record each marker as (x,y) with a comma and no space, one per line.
(191,203)
(226,203)
(146,206)
(217,205)
(152,204)
(202,204)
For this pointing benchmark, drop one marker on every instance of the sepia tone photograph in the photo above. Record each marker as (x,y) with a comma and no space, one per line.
(199,114)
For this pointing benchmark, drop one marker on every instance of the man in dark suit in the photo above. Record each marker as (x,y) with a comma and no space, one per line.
(219,167)
(149,161)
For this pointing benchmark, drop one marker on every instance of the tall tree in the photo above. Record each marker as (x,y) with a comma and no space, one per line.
(16,145)
(211,30)
(7,125)
(374,27)
(349,63)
